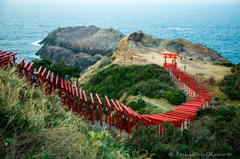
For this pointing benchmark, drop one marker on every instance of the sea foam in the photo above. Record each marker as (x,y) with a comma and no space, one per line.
(37,43)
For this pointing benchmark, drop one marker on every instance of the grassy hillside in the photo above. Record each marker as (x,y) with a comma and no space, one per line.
(151,80)
(33,125)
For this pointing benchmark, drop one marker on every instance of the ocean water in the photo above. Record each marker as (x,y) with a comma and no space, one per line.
(23,25)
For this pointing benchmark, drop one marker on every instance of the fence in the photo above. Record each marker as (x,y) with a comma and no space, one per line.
(116,114)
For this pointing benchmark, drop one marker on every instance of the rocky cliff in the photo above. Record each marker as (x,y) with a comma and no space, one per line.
(200,52)
(80,46)
(138,42)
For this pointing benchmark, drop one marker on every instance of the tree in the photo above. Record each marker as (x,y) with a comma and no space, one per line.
(60,68)
(43,62)
(230,85)
(73,72)
(63,69)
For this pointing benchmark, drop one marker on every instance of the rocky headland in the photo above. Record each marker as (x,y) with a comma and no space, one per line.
(80,46)
(84,46)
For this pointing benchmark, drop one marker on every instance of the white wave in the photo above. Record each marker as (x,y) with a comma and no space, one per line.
(37,43)
(178,28)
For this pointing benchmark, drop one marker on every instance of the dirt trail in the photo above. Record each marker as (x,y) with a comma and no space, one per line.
(161,103)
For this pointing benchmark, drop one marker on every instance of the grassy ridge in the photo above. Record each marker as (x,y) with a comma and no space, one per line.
(34,125)
(149,80)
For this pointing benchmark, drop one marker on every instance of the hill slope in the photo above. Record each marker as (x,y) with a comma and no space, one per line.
(35,125)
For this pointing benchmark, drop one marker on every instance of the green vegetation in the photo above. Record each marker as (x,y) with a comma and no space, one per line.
(113,58)
(104,62)
(60,68)
(211,80)
(230,85)
(190,59)
(137,105)
(111,53)
(33,125)
(215,131)
(227,64)
(235,68)
(149,80)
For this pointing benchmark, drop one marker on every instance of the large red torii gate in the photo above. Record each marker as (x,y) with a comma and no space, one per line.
(167,55)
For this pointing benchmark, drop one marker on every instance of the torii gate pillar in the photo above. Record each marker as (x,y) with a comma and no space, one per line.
(166,55)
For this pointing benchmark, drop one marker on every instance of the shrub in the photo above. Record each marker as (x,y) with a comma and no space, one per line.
(177,99)
(227,64)
(110,54)
(143,140)
(235,68)
(104,62)
(217,99)
(230,85)
(190,59)
(113,58)
(137,105)
(211,80)
(142,111)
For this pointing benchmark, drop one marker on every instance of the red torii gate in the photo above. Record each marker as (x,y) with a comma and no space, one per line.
(167,55)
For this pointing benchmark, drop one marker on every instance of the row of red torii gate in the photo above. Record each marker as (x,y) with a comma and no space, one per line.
(116,114)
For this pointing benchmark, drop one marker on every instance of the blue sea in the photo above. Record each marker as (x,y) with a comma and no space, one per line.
(24,24)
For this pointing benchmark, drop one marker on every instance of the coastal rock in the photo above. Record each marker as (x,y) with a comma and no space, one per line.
(57,53)
(207,59)
(86,42)
(172,46)
(200,52)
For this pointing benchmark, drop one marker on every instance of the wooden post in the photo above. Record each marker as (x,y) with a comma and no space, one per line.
(25,70)
(43,78)
(47,82)
(121,116)
(73,101)
(77,106)
(20,65)
(66,95)
(56,86)
(92,108)
(62,93)
(108,105)
(52,82)
(80,94)
(100,105)
(38,76)
(85,104)
(69,97)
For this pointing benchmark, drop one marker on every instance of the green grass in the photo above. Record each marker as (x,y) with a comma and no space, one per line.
(149,80)
(36,126)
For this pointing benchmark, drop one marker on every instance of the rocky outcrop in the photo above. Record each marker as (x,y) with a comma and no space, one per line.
(56,53)
(172,46)
(135,42)
(200,52)
(80,46)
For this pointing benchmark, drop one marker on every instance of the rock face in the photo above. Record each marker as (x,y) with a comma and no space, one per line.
(135,42)
(80,46)
(200,52)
